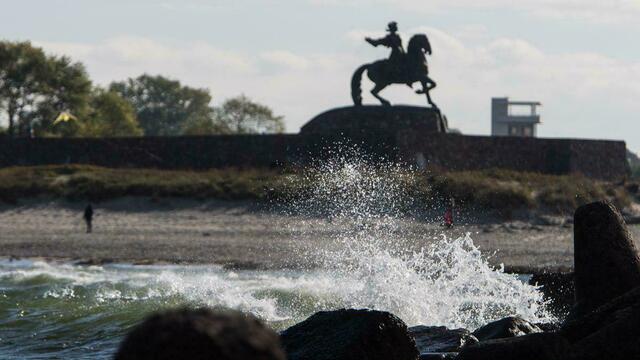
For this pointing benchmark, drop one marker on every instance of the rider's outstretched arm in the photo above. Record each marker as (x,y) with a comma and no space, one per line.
(371,41)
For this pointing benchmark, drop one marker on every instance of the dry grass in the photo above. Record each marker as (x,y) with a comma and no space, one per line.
(488,189)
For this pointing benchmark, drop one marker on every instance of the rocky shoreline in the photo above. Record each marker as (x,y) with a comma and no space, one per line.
(603,323)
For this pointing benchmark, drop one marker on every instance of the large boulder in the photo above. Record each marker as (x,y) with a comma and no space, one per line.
(349,335)
(607,264)
(439,339)
(200,334)
(610,332)
(540,346)
(508,327)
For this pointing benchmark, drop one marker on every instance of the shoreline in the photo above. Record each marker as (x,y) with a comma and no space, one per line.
(244,235)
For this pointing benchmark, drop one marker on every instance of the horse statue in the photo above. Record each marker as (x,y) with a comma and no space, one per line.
(411,67)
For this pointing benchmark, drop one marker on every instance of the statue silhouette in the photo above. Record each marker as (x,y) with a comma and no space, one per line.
(400,68)
(393,41)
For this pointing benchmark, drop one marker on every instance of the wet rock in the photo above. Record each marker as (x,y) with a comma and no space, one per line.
(607,264)
(541,346)
(349,334)
(632,219)
(508,327)
(548,327)
(200,334)
(439,339)
(438,356)
(610,332)
(558,290)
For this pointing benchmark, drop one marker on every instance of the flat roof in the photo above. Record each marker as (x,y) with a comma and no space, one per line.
(525,103)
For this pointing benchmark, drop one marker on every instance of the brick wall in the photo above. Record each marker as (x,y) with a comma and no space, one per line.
(593,158)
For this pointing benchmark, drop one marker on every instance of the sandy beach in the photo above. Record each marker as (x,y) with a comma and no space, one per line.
(237,234)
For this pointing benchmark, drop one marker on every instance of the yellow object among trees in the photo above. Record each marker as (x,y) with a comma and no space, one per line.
(64,117)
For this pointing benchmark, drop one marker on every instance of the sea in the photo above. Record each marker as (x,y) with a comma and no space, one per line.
(62,310)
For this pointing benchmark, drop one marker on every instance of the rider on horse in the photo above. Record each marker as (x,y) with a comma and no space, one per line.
(401,67)
(393,41)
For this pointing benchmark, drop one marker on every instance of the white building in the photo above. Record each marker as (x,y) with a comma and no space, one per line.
(514,118)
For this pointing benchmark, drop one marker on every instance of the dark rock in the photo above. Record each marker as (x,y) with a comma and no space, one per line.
(349,335)
(200,334)
(557,288)
(606,261)
(610,332)
(542,346)
(632,219)
(439,339)
(439,356)
(508,327)
(577,329)
(548,327)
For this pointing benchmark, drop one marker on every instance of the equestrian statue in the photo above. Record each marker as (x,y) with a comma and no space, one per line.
(401,67)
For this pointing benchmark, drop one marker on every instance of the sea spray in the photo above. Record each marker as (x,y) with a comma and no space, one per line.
(69,311)
(446,282)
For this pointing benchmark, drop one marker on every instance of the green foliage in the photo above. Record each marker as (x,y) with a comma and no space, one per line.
(163,106)
(510,190)
(481,191)
(203,125)
(98,183)
(241,115)
(35,88)
(111,116)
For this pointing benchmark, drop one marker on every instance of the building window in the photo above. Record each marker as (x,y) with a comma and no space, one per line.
(527,131)
(513,130)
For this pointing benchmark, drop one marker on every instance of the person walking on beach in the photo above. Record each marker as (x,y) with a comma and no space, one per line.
(88,217)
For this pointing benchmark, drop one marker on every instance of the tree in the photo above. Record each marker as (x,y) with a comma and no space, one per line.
(203,125)
(110,116)
(240,115)
(163,106)
(67,89)
(34,87)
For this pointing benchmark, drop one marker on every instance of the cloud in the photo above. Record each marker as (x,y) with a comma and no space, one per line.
(286,59)
(597,11)
(294,85)
(579,90)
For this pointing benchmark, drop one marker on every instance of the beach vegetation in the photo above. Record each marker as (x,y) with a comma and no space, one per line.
(487,190)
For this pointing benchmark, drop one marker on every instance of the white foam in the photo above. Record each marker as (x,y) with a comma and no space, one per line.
(448,283)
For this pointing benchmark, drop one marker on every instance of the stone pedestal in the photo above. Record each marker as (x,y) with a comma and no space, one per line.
(363,120)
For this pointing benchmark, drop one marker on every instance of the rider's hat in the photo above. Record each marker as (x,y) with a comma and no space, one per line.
(393,26)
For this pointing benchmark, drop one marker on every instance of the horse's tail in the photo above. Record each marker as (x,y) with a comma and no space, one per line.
(356,89)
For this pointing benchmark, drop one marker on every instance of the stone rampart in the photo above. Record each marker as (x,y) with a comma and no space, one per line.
(410,135)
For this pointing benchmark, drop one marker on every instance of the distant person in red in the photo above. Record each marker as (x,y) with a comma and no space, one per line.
(88,218)
(448,214)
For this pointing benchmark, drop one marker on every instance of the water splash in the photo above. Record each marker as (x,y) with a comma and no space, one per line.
(69,311)
(446,282)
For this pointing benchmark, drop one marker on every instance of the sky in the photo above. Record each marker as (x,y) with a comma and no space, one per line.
(580,58)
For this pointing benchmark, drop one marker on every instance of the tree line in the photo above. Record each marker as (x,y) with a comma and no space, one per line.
(46,95)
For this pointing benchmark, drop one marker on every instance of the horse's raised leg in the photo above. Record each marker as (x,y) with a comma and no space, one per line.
(427,85)
(375,92)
